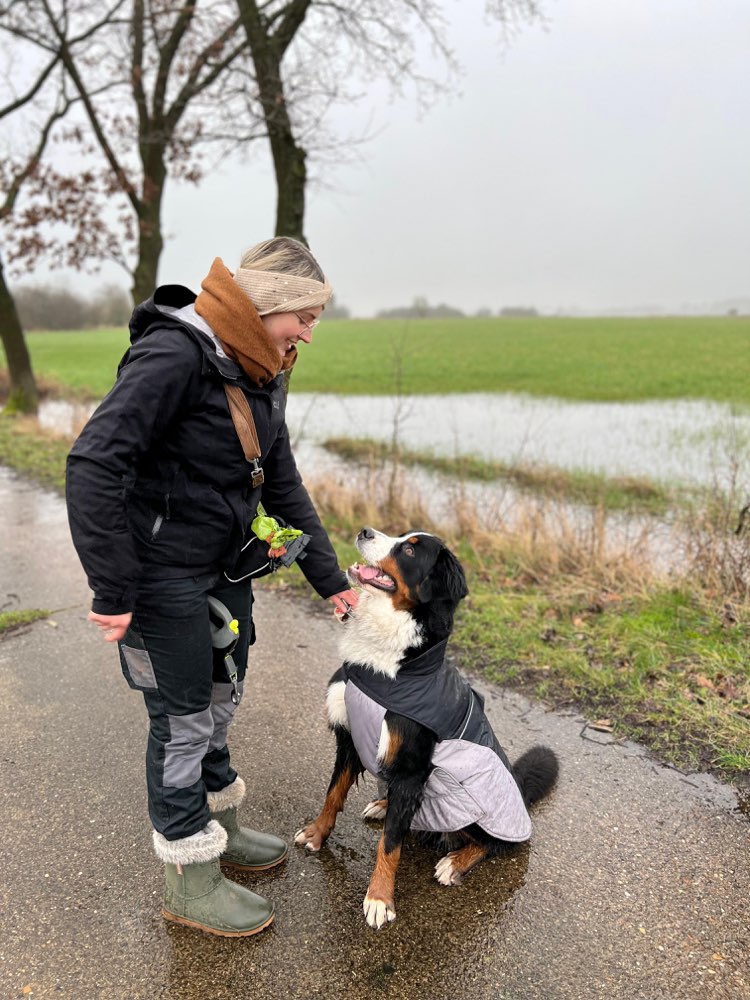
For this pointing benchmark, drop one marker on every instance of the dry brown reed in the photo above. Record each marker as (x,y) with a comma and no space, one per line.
(715,538)
(539,539)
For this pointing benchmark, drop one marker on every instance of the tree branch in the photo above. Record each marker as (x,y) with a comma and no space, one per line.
(31,94)
(168,53)
(294,15)
(33,161)
(136,66)
(96,125)
(192,86)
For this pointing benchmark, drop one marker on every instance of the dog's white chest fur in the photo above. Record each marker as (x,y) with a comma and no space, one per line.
(378,634)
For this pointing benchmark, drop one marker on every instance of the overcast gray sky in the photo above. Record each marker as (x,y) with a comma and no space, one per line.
(597,162)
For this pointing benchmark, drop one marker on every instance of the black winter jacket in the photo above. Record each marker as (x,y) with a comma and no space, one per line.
(157,483)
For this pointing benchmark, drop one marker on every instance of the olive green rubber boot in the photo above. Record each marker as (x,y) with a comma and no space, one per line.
(199,896)
(246,850)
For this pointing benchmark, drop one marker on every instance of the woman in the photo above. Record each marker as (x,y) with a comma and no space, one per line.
(161,489)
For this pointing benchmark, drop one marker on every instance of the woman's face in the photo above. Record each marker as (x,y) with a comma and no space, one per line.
(286,329)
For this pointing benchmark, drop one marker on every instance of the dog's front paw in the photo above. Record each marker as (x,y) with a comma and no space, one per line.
(375,810)
(447,872)
(311,837)
(378,912)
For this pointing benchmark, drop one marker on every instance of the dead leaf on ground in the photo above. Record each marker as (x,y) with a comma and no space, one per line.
(603,726)
(704,682)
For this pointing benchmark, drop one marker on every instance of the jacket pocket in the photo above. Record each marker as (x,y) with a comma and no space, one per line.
(191,526)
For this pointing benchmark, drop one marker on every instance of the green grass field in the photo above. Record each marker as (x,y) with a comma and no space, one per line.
(584,359)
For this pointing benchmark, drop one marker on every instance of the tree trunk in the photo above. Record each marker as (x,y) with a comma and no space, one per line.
(150,246)
(150,242)
(288,157)
(23,397)
(291,179)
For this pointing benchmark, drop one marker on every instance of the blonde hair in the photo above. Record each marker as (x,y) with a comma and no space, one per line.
(282,253)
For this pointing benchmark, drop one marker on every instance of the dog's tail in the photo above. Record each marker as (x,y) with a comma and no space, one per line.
(536,772)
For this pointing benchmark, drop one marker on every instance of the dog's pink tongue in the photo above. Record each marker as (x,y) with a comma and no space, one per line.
(368,572)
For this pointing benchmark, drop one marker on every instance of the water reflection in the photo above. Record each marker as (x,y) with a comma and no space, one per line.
(438,946)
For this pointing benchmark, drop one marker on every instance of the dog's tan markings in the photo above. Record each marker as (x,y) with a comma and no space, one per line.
(401,598)
(451,869)
(395,742)
(378,905)
(315,834)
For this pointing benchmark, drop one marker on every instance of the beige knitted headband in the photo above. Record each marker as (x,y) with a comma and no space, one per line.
(276,292)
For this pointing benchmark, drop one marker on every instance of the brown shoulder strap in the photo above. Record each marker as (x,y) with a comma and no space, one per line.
(244,424)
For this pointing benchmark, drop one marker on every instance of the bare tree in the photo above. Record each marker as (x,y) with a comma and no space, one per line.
(155,81)
(306,52)
(17,171)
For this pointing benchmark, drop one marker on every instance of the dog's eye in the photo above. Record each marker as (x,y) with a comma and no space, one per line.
(408,550)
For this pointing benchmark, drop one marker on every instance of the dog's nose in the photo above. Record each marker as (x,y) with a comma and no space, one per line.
(366,534)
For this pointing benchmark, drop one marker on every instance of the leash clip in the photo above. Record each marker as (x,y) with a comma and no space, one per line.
(256,475)
(232,672)
(345,617)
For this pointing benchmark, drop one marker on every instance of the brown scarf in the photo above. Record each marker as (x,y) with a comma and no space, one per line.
(235,321)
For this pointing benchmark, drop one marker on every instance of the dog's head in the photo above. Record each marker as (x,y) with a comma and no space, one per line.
(415,569)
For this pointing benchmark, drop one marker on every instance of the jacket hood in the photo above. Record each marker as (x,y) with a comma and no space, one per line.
(145,314)
(148,314)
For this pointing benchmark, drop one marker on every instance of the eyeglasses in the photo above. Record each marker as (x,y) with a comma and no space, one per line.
(311,325)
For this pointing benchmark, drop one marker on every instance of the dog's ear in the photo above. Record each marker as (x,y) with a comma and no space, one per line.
(446,579)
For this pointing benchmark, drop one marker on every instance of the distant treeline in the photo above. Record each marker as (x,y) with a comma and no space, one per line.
(421,309)
(44,308)
(53,308)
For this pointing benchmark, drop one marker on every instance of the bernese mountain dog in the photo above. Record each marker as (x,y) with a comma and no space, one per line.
(404,713)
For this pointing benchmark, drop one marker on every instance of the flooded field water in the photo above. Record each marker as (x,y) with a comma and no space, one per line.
(686,441)
(680,441)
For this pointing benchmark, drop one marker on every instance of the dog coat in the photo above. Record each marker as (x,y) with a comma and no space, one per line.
(471,781)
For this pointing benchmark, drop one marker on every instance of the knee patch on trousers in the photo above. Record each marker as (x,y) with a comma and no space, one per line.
(189,736)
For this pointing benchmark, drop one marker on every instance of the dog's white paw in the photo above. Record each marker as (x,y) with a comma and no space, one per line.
(378,913)
(445,871)
(375,809)
(308,837)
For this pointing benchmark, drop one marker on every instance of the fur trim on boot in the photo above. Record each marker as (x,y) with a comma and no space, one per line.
(228,798)
(203,846)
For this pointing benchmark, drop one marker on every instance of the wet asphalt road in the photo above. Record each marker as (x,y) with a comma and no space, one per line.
(636,883)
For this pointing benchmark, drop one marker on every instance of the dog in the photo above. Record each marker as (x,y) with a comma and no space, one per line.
(401,712)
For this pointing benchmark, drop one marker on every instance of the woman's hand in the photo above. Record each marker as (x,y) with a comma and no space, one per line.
(114,627)
(344,602)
